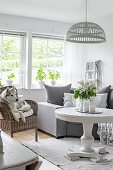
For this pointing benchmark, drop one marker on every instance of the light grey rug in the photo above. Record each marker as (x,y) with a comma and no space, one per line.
(54,150)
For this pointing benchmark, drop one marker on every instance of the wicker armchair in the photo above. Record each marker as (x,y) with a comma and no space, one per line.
(8,122)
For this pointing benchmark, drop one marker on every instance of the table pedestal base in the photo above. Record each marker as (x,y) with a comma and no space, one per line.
(87,151)
(95,156)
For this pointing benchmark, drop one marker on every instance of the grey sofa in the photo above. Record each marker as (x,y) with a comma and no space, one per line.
(48,123)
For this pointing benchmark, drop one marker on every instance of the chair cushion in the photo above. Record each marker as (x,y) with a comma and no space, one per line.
(26,114)
(55,94)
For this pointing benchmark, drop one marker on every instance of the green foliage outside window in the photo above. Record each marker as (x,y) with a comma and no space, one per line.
(54,46)
(10,53)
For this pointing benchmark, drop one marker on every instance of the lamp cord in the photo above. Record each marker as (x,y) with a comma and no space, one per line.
(86,10)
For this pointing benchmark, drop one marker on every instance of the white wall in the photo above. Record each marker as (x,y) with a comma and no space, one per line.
(10,22)
(83,53)
(104,51)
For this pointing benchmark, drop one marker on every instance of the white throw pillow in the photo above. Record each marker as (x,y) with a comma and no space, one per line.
(69,101)
(101,100)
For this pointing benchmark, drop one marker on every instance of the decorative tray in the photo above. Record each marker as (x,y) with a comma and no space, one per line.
(97,111)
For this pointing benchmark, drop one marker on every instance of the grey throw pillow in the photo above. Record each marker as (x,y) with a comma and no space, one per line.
(55,94)
(104,90)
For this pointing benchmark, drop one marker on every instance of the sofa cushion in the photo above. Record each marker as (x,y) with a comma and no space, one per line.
(55,94)
(101,100)
(110,99)
(104,90)
(69,101)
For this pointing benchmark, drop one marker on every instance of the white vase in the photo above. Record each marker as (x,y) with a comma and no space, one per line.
(92,105)
(86,105)
(81,105)
(41,84)
(53,82)
(9,82)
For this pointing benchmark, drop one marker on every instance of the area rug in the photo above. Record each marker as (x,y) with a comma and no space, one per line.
(54,150)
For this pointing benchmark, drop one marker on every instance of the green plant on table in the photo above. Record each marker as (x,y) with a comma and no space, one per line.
(41,75)
(86,90)
(54,75)
(11,76)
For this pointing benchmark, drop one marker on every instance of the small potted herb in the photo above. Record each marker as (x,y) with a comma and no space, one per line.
(10,79)
(41,76)
(53,76)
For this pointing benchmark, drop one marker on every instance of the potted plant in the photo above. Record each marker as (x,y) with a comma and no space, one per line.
(10,79)
(41,76)
(53,76)
(1,84)
(85,92)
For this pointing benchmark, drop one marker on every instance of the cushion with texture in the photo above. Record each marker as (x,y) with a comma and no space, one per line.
(104,90)
(55,94)
(69,101)
(101,100)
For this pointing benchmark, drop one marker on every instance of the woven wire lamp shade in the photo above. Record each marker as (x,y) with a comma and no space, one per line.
(86,32)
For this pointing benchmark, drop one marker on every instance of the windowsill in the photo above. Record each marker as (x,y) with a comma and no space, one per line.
(30,89)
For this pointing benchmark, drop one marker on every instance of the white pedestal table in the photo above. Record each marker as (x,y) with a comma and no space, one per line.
(70,114)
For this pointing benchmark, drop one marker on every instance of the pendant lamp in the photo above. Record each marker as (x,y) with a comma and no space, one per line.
(86,32)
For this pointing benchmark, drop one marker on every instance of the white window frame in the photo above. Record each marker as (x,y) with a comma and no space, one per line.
(26,55)
(48,37)
(21,52)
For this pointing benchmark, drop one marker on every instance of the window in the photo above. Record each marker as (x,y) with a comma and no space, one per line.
(47,53)
(11,56)
(15,56)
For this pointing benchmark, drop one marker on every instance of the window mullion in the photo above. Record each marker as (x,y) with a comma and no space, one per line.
(9,51)
(29,59)
(1,54)
(47,59)
(21,70)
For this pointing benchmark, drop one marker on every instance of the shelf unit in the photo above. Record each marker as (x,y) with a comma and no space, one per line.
(94,72)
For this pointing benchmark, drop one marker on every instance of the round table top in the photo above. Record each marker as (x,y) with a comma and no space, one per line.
(70,114)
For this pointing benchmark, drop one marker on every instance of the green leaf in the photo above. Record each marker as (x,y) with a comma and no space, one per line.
(41,75)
